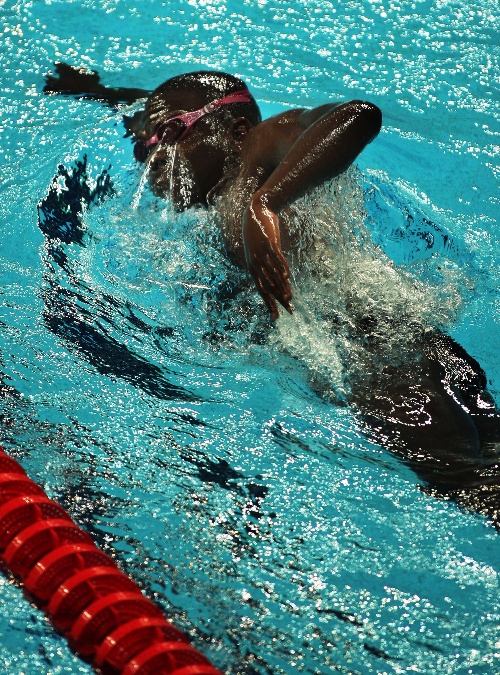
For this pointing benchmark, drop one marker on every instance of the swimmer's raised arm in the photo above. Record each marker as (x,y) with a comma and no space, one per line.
(297,150)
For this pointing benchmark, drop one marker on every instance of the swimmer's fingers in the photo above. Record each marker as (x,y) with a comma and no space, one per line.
(265,260)
(270,294)
(271,277)
(71,80)
(270,271)
(278,278)
(268,299)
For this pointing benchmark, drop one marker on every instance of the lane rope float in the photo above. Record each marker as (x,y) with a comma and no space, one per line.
(104,615)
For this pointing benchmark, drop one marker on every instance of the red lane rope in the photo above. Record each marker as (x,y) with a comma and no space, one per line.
(101,611)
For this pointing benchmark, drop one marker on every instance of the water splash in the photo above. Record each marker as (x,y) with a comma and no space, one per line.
(354,307)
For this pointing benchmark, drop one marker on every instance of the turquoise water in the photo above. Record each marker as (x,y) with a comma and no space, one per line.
(211,453)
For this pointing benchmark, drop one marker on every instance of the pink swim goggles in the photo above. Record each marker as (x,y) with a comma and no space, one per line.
(176,128)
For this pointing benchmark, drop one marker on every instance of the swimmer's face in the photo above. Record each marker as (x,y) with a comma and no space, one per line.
(188,169)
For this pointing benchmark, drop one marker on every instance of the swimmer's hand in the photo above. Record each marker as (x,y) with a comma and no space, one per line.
(71,81)
(265,260)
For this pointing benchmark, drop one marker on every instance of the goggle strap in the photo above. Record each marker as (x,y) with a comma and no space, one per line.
(189,118)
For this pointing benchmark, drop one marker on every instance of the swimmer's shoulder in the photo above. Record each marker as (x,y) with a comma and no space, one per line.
(269,141)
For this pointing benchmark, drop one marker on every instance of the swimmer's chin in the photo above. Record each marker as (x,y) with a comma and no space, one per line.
(180,202)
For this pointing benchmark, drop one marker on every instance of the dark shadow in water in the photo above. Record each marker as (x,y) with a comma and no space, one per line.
(60,211)
(403,231)
(66,307)
(80,84)
(108,356)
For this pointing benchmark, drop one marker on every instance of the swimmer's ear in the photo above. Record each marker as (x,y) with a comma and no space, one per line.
(239,128)
(134,125)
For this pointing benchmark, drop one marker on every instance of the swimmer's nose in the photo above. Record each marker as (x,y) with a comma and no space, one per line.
(155,165)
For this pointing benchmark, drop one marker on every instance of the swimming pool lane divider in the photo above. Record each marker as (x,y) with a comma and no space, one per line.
(101,611)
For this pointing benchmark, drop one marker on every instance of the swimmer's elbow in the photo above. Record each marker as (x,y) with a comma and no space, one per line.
(370,115)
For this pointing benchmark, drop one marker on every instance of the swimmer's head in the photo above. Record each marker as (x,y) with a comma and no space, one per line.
(190,127)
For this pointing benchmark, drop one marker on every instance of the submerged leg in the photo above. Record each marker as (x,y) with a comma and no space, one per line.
(464,377)
(421,417)
(430,416)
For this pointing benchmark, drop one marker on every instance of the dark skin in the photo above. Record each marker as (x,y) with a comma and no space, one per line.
(202,160)
(438,417)
(284,156)
(297,150)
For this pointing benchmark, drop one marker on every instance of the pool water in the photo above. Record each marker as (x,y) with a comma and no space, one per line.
(213,454)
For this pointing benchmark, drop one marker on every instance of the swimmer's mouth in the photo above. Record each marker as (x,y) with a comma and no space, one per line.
(181,199)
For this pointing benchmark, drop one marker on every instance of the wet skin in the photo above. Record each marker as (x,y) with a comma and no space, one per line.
(280,158)
(189,170)
(445,426)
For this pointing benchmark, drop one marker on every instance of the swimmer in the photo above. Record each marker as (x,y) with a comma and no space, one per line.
(214,125)
(203,141)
